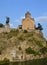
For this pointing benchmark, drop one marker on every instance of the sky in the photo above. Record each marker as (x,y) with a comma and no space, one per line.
(16,9)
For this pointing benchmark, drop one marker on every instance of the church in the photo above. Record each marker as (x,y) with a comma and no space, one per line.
(27,23)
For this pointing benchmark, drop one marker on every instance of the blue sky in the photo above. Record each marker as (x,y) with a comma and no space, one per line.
(16,9)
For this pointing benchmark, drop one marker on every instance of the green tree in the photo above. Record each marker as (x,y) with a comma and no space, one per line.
(1,25)
(40,27)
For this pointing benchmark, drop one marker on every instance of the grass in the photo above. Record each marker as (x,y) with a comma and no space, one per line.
(21,38)
(39,43)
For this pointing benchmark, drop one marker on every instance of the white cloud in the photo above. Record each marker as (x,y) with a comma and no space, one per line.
(41,18)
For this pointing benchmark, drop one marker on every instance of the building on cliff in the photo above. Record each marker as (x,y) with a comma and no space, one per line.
(27,23)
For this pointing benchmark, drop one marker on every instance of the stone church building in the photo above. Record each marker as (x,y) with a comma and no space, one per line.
(28,22)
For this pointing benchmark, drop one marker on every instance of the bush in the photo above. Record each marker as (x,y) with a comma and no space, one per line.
(5,32)
(1,25)
(20,48)
(39,43)
(43,50)
(30,40)
(21,38)
(46,42)
(0,52)
(6,60)
(29,35)
(30,51)
(9,36)
(14,32)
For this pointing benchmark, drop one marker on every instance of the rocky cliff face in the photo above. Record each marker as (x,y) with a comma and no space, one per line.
(19,44)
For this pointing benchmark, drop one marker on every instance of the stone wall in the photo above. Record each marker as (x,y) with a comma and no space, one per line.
(5,29)
(28,22)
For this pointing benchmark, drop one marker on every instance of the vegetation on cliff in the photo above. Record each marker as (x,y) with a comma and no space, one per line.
(27,42)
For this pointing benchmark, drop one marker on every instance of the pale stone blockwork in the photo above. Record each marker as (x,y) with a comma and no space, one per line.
(28,22)
(5,29)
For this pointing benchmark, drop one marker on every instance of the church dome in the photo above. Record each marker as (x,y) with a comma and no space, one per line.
(28,14)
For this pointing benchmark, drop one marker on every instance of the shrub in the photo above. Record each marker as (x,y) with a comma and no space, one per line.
(9,36)
(20,48)
(5,32)
(29,35)
(0,52)
(30,51)
(21,38)
(30,40)
(6,60)
(43,50)
(46,42)
(14,32)
(39,43)
(1,25)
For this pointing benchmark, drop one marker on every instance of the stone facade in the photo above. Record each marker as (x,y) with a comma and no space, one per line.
(6,28)
(28,22)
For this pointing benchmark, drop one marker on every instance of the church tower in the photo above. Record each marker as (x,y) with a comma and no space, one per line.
(27,15)
(28,22)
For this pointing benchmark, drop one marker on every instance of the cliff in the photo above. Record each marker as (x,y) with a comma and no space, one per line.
(22,44)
